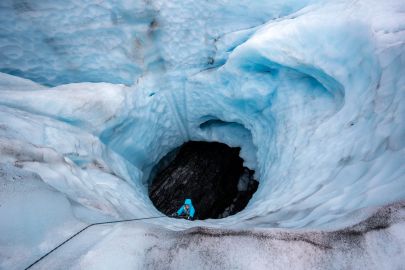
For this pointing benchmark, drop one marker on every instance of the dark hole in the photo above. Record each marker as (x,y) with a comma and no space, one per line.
(210,174)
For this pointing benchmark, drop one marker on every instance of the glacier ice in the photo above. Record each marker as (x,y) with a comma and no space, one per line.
(151,248)
(312,92)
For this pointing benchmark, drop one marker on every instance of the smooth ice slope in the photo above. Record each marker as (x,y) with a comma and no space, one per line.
(311,91)
(141,246)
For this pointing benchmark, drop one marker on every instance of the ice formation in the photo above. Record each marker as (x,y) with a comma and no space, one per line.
(312,91)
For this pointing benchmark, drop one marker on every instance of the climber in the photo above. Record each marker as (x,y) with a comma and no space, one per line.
(187,210)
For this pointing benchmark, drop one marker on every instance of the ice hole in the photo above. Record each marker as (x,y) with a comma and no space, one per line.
(211,174)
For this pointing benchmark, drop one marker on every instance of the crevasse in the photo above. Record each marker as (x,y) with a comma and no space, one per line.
(312,92)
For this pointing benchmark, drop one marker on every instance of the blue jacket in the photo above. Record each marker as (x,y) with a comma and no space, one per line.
(182,210)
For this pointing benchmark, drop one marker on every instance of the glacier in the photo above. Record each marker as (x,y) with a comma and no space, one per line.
(93,94)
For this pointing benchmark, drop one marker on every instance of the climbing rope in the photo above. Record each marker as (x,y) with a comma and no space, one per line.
(82,230)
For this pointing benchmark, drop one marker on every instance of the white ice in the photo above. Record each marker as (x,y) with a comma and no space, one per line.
(312,91)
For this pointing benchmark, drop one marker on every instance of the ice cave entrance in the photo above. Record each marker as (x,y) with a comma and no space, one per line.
(210,173)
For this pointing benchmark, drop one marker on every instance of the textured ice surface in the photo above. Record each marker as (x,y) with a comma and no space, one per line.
(312,91)
(56,42)
(140,246)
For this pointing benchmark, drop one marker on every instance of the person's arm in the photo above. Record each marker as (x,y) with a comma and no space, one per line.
(180,211)
(192,212)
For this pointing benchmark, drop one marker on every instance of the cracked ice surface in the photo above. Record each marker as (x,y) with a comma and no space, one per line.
(311,91)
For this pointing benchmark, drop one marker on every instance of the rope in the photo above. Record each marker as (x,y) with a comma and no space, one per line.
(85,228)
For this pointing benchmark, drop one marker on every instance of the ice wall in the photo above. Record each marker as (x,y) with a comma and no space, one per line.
(57,42)
(312,91)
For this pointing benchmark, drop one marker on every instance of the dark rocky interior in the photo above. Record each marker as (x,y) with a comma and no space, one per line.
(209,173)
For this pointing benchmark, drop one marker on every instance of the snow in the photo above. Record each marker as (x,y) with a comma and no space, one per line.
(312,92)
(144,246)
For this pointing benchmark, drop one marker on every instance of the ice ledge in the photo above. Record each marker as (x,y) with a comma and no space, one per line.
(142,246)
